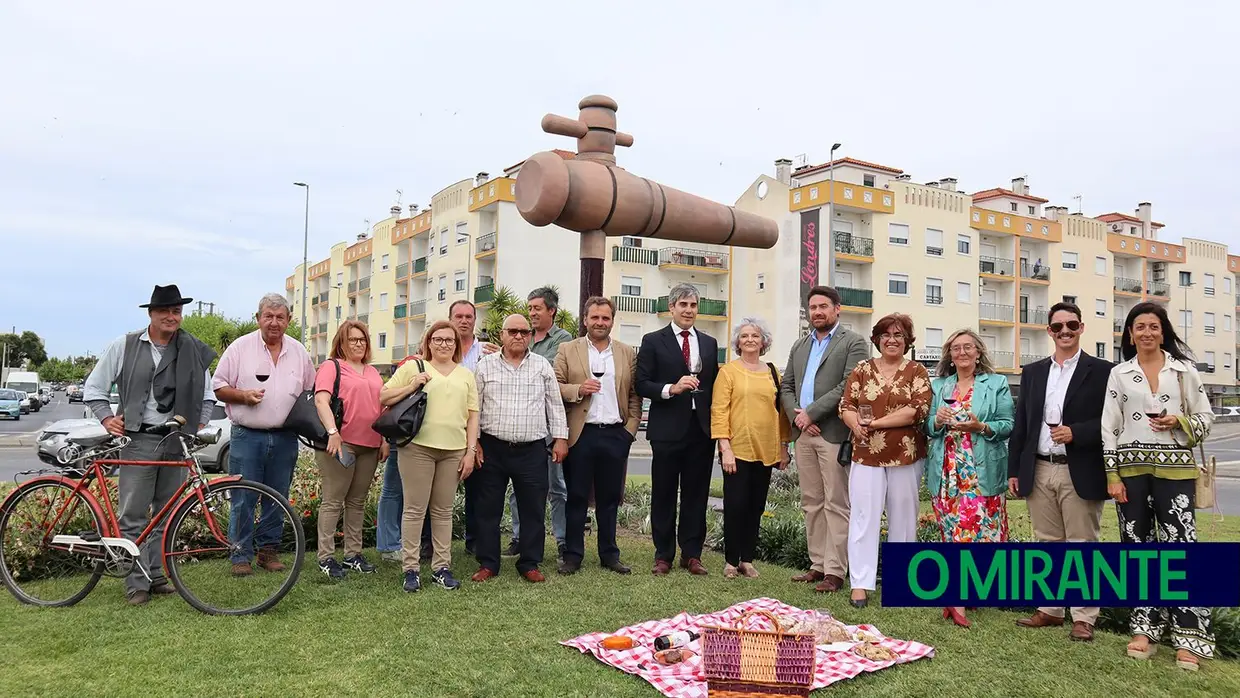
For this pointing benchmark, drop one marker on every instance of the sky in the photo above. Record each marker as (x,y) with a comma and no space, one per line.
(148,143)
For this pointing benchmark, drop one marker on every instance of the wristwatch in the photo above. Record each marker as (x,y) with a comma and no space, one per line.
(332,432)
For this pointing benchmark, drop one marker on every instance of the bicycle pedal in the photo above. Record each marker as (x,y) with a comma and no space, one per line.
(90,536)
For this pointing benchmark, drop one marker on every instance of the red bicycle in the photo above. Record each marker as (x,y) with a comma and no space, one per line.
(58,538)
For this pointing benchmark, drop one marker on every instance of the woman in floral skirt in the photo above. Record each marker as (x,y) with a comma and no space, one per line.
(966,470)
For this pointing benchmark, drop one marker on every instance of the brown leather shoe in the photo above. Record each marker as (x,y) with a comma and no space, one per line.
(138,598)
(269,560)
(661,568)
(694,566)
(242,569)
(534,576)
(483,574)
(829,584)
(1040,620)
(1082,631)
(162,589)
(809,577)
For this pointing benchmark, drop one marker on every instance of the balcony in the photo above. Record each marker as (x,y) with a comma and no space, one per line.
(706,307)
(417,309)
(990,312)
(1238,344)
(363,284)
(1117,326)
(364,318)
(322,328)
(996,266)
(1238,300)
(1012,224)
(399,352)
(400,311)
(1035,272)
(352,287)
(419,266)
(854,246)
(935,298)
(633,304)
(722,355)
(1132,286)
(1003,360)
(856,297)
(1029,357)
(1160,290)
(402,270)
(696,260)
(485,245)
(847,197)
(484,293)
(636,255)
(1036,316)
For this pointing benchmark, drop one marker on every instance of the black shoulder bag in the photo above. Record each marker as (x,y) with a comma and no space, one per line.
(303,418)
(401,422)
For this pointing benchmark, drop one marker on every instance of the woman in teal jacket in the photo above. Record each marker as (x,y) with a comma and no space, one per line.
(966,470)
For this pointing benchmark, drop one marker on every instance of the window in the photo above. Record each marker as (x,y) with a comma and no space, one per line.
(897,233)
(1226,359)
(867,180)
(383,263)
(933,339)
(1186,318)
(1208,282)
(1100,307)
(337,312)
(1100,350)
(630,286)
(383,301)
(1186,278)
(934,292)
(897,284)
(627,241)
(383,340)
(761,282)
(1069,260)
(339,278)
(1208,323)
(1013,205)
(1227,323)
(1100,266)
(1033,211)
(963,244)
(934,242)
(430,252)
(1209,362)
(1227,285)
(458,281)
(1070,299)
(1132,230)
(631,335)
(964,292)
(462,233)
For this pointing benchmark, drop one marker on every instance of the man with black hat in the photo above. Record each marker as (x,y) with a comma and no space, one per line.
(160,372)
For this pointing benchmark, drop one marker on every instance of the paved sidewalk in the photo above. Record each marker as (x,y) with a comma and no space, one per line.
(17,440)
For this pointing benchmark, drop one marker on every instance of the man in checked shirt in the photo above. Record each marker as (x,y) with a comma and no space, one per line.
(520,406)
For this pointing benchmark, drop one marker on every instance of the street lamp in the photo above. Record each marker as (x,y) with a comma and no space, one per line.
(305,260)
(831,217)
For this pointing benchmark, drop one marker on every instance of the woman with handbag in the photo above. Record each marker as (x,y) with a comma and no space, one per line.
(346,394)
(885,402)
(1156,414)
(441,453)
(753,435)
(971,416)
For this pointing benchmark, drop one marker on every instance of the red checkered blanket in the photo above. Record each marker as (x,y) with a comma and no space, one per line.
(686,680)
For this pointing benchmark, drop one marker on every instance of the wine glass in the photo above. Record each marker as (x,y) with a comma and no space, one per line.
(1152,406)
(866,414)
(597,367)
(1052,415)
(695,367)
(262,377)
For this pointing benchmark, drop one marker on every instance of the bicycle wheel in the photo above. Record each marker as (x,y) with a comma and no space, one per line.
(36,570)
(245,526)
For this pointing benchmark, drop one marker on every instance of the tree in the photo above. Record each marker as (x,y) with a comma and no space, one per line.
(217,331)
(506,303)
(26,347)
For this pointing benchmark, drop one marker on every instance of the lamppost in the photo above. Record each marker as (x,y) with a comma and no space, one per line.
(305,259)
(831,217)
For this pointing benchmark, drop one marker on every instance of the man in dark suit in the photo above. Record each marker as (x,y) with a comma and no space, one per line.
(1055,450)
(678,429)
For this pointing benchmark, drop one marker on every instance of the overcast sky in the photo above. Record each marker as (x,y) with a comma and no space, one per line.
(145,143)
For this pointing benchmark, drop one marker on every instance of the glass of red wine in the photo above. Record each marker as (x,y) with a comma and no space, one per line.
(597,367)
(1152,407)
(1053,416)
(262,377)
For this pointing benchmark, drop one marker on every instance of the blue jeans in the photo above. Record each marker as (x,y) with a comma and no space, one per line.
(268,457)
(557,492)
(391,504)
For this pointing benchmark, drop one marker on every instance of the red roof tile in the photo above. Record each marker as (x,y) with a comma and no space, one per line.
(1113,217)
(1000,191)
(845,161)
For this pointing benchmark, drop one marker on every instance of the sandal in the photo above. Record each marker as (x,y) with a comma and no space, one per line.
(1186,660)
(730,572)
(748,569)
(1138,653)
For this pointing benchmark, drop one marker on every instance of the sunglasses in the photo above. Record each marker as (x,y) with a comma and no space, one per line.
(519,333)
(1072,325)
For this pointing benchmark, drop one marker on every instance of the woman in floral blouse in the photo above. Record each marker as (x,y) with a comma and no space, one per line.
(885,402)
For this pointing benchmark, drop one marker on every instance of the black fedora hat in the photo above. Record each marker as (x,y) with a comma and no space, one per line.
(166,297)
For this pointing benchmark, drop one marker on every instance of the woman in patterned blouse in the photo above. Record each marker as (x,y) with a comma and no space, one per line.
(885,402)
(1155,415)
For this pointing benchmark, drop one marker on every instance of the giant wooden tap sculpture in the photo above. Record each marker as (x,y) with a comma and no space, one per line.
(593,196)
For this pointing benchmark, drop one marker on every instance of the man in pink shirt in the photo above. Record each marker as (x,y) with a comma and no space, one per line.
(259,378)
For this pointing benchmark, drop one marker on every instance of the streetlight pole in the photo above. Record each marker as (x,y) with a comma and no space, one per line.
(305,260)
(831,218)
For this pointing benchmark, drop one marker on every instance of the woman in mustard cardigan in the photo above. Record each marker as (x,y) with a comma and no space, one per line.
(753,437)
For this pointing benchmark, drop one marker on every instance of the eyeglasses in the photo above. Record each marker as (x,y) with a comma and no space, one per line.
(964,349)
(1072,325)
(897,335)
(443,341)
(519,333)
(357,340)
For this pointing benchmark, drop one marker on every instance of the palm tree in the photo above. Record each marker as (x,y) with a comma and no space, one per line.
(506,303)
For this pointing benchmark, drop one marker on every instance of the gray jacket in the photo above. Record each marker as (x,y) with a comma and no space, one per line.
(846,350)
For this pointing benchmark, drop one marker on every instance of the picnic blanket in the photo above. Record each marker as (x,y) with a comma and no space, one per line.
(686,679)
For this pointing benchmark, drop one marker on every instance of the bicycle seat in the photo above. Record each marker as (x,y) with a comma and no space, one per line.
(88,436)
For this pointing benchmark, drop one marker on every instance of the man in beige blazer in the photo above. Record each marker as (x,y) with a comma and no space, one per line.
(596,375)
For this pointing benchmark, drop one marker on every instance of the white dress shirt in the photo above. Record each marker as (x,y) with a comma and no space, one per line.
(1056,387)
(695,353)
(604,405)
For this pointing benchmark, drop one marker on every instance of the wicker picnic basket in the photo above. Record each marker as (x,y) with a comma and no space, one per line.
(743,663)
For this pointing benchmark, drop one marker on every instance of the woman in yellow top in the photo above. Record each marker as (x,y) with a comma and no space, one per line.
(753,437)
(440,455)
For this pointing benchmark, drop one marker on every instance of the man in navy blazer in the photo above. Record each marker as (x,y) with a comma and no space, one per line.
(678,428)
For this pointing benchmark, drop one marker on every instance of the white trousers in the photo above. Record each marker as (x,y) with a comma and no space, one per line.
(869,489)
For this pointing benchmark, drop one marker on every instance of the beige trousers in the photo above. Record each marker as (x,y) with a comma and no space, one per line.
(1059,515)
(428,477)
(344,491)
(824,499)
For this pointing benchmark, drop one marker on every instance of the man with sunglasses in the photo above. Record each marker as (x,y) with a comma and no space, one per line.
(1055,450)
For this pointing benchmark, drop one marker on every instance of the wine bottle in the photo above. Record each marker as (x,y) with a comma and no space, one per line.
(674,640)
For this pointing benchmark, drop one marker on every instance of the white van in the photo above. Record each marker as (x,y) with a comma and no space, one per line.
(29,383)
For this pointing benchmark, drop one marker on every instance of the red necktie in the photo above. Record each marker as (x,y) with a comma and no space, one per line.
(684,346)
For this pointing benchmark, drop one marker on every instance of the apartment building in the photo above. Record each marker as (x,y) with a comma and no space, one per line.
(406,272)
(995,261)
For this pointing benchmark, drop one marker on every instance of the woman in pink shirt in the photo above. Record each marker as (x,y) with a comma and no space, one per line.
(354,449)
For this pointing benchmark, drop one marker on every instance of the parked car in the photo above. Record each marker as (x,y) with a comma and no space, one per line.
(10,404)
(45,394)
(214,458)
(24,401)
(74,393)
